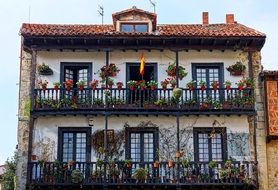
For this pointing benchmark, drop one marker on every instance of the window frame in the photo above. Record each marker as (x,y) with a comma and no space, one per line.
(222,130)
(141,130)
(220,65)
(87,130)
(133,24)
(76,64)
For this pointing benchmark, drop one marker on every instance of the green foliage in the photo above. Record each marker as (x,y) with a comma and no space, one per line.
(141,173)
(7,179)
(76,176)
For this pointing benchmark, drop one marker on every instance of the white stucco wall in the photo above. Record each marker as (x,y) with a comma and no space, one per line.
(47,127)
(120,58)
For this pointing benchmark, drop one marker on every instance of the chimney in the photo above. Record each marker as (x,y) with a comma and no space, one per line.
(230,19)
(205,18)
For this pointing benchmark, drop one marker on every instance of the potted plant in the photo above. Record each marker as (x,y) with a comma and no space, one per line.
(212,164)
(110,71)
(128,163)
(178,154)
(215,85)
(70,163)
(80,84)
(202,85)
(76,176)
(68,84)
(173,82)
(177,93)
(164,84)
(132,84)
(237,69)
(240,85)
(249,83)
(170,163)
(110,82)
(185,162)
(217,105)
(152,84)
(119,85)
(206,104)
(171,71)
(141,174)
(228,84)
(43,84)
(141,84)
(190,85)
(56,85)
(156,164)
(94,84)
(44,69)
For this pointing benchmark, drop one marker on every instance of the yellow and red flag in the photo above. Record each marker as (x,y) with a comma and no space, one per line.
(142,64)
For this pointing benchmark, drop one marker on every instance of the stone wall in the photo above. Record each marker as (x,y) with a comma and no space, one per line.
(23,120)
(260,122)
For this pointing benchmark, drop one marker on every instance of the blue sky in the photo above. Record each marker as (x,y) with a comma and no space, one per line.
(261,15)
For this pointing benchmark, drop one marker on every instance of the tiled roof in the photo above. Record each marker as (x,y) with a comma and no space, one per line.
(165,30)
(270,73)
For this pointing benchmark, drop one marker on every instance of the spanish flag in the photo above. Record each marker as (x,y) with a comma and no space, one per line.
(142,65)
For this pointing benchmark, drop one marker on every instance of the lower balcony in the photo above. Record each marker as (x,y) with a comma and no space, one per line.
(145,102)
(147,175)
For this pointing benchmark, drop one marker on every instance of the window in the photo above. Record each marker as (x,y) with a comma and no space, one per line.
(210,144)
(74,144)
(208,72)
(76,71)
(141,144)
(134,27)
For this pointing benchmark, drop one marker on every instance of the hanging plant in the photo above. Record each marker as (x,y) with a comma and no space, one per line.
(44,69)
(94,84)
(171,71)
(111,71)
(173,82)
(164,84)
(237,69)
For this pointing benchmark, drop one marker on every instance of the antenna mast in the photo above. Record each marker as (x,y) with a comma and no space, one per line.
(101,12)
(153,3)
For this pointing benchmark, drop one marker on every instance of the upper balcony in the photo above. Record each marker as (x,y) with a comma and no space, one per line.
(125,101)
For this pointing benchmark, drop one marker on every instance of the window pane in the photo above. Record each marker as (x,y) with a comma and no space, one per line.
(141,28)
(126,28)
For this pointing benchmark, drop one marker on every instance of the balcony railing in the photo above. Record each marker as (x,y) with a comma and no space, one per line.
(119,173)
(196,101)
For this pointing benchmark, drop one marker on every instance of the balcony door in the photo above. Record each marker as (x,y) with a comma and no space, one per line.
(210,144)
(133,73)
(208,72)
(141,144)
(74,144)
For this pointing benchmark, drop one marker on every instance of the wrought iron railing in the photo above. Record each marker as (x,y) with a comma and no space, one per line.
(56,173)
(137,99)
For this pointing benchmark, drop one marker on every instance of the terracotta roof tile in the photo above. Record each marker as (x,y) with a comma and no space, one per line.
(164,30)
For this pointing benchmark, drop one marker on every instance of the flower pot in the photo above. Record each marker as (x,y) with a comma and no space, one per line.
(93,87)
(56,88)
(43,88)
(236,73)
(240,88)
(228,87)
(142,88)
(152,88)
(214,87)
(178,154)
(173,85)
(164,87)
(156,165)
(110,85)
(120,87)
(81,87)
(203,88)
(191,88)
(170,164)
(131,88)
(33,157)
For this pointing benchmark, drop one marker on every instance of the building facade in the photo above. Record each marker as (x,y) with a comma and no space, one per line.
(138,104)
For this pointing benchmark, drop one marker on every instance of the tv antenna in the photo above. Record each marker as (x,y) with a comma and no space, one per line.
(101,12)
(153,3)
